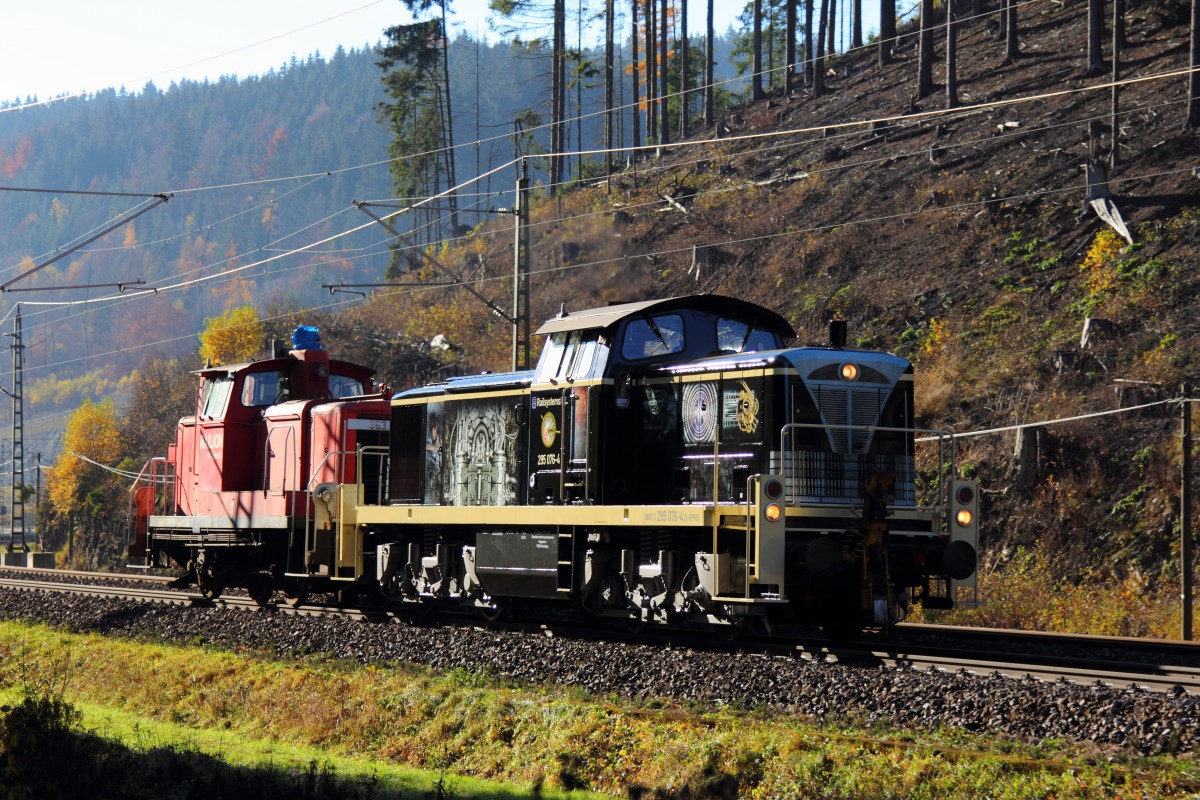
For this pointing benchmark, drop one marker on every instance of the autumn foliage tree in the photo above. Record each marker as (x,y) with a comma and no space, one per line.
(85,497)
(233,337)
(162,391)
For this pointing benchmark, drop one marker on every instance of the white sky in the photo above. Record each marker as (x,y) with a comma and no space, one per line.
(50,48)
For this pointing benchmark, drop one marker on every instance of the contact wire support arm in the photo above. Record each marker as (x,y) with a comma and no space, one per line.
(438,265)
(158,200)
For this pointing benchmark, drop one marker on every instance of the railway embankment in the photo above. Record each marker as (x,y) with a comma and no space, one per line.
(498,703)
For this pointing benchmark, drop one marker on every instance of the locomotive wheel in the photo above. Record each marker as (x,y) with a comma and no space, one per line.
(494,610)
(258,586)
(208,582)
(295,593)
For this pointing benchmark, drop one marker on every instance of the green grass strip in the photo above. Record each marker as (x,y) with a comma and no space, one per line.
(407,726)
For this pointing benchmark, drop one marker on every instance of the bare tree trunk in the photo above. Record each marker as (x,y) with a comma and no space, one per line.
(1114,158)
(951,56)
(1193,115)
(664,122)
(808,42)
(887,31)
(683,69)
(651,72)
(1002,28)
(449,126)
(1013,50)
(710,113)
(609,25)
(558,103)
(579,92)
(637,121)
(925,51)
(756,62)
(856,25)
(789,50)
(1095,46)
(819,63)
(831,46)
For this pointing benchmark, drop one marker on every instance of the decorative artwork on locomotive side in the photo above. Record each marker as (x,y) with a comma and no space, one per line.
(660,414)
(741,410)
(700,412)
(471,453)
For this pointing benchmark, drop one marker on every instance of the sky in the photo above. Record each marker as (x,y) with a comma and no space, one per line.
(52,48)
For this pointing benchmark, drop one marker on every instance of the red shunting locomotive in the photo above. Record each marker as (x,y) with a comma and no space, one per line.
(232,499)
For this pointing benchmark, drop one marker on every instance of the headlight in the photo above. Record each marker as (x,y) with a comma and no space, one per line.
(849,372)
(773,512)
(963,517)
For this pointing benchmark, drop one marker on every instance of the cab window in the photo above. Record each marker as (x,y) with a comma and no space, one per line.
(653,336)
(264,389)
(568,356)
(734,336)
(344,386)
(214,395)
(552,357)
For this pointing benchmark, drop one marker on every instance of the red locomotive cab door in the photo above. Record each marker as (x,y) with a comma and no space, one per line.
(281,459)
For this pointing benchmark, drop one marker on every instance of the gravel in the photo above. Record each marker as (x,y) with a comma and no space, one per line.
(1137,720)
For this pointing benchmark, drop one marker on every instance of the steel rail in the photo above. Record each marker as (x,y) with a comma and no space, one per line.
(1154,676)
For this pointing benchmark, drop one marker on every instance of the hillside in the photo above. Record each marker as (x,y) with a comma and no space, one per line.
(956,239)
(260,173)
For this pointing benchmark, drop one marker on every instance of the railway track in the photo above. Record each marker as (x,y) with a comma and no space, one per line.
(1119,662)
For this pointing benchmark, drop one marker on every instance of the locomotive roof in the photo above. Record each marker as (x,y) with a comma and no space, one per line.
(267,364)
(608,316)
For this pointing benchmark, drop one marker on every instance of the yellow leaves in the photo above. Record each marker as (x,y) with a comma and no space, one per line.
(1100,276)
(233,337)
(91,432)
(939,335)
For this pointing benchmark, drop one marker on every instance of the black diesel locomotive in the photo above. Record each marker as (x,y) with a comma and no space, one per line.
(668,461)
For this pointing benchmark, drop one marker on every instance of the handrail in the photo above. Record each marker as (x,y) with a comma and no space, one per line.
(944,438)
(379,451)
(308,489)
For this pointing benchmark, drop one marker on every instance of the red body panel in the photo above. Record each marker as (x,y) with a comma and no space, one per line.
(244,456)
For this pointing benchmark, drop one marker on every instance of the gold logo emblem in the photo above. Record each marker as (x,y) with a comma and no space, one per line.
(747,410)
(549,429)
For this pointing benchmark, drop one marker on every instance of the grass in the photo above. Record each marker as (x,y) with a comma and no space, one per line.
(342,775)
(397,729)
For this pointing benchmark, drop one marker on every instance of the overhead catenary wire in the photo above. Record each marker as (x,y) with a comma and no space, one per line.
(822,128)
(743,137)
(1047,422)
(674,251)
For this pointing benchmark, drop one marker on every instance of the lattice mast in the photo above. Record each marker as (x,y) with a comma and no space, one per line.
(17,489)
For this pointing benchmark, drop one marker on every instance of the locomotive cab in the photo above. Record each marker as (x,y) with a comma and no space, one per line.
(231,501)
(609,369)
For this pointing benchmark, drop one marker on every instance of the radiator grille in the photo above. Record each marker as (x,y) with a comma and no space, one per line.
(838,478)
(845,405)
